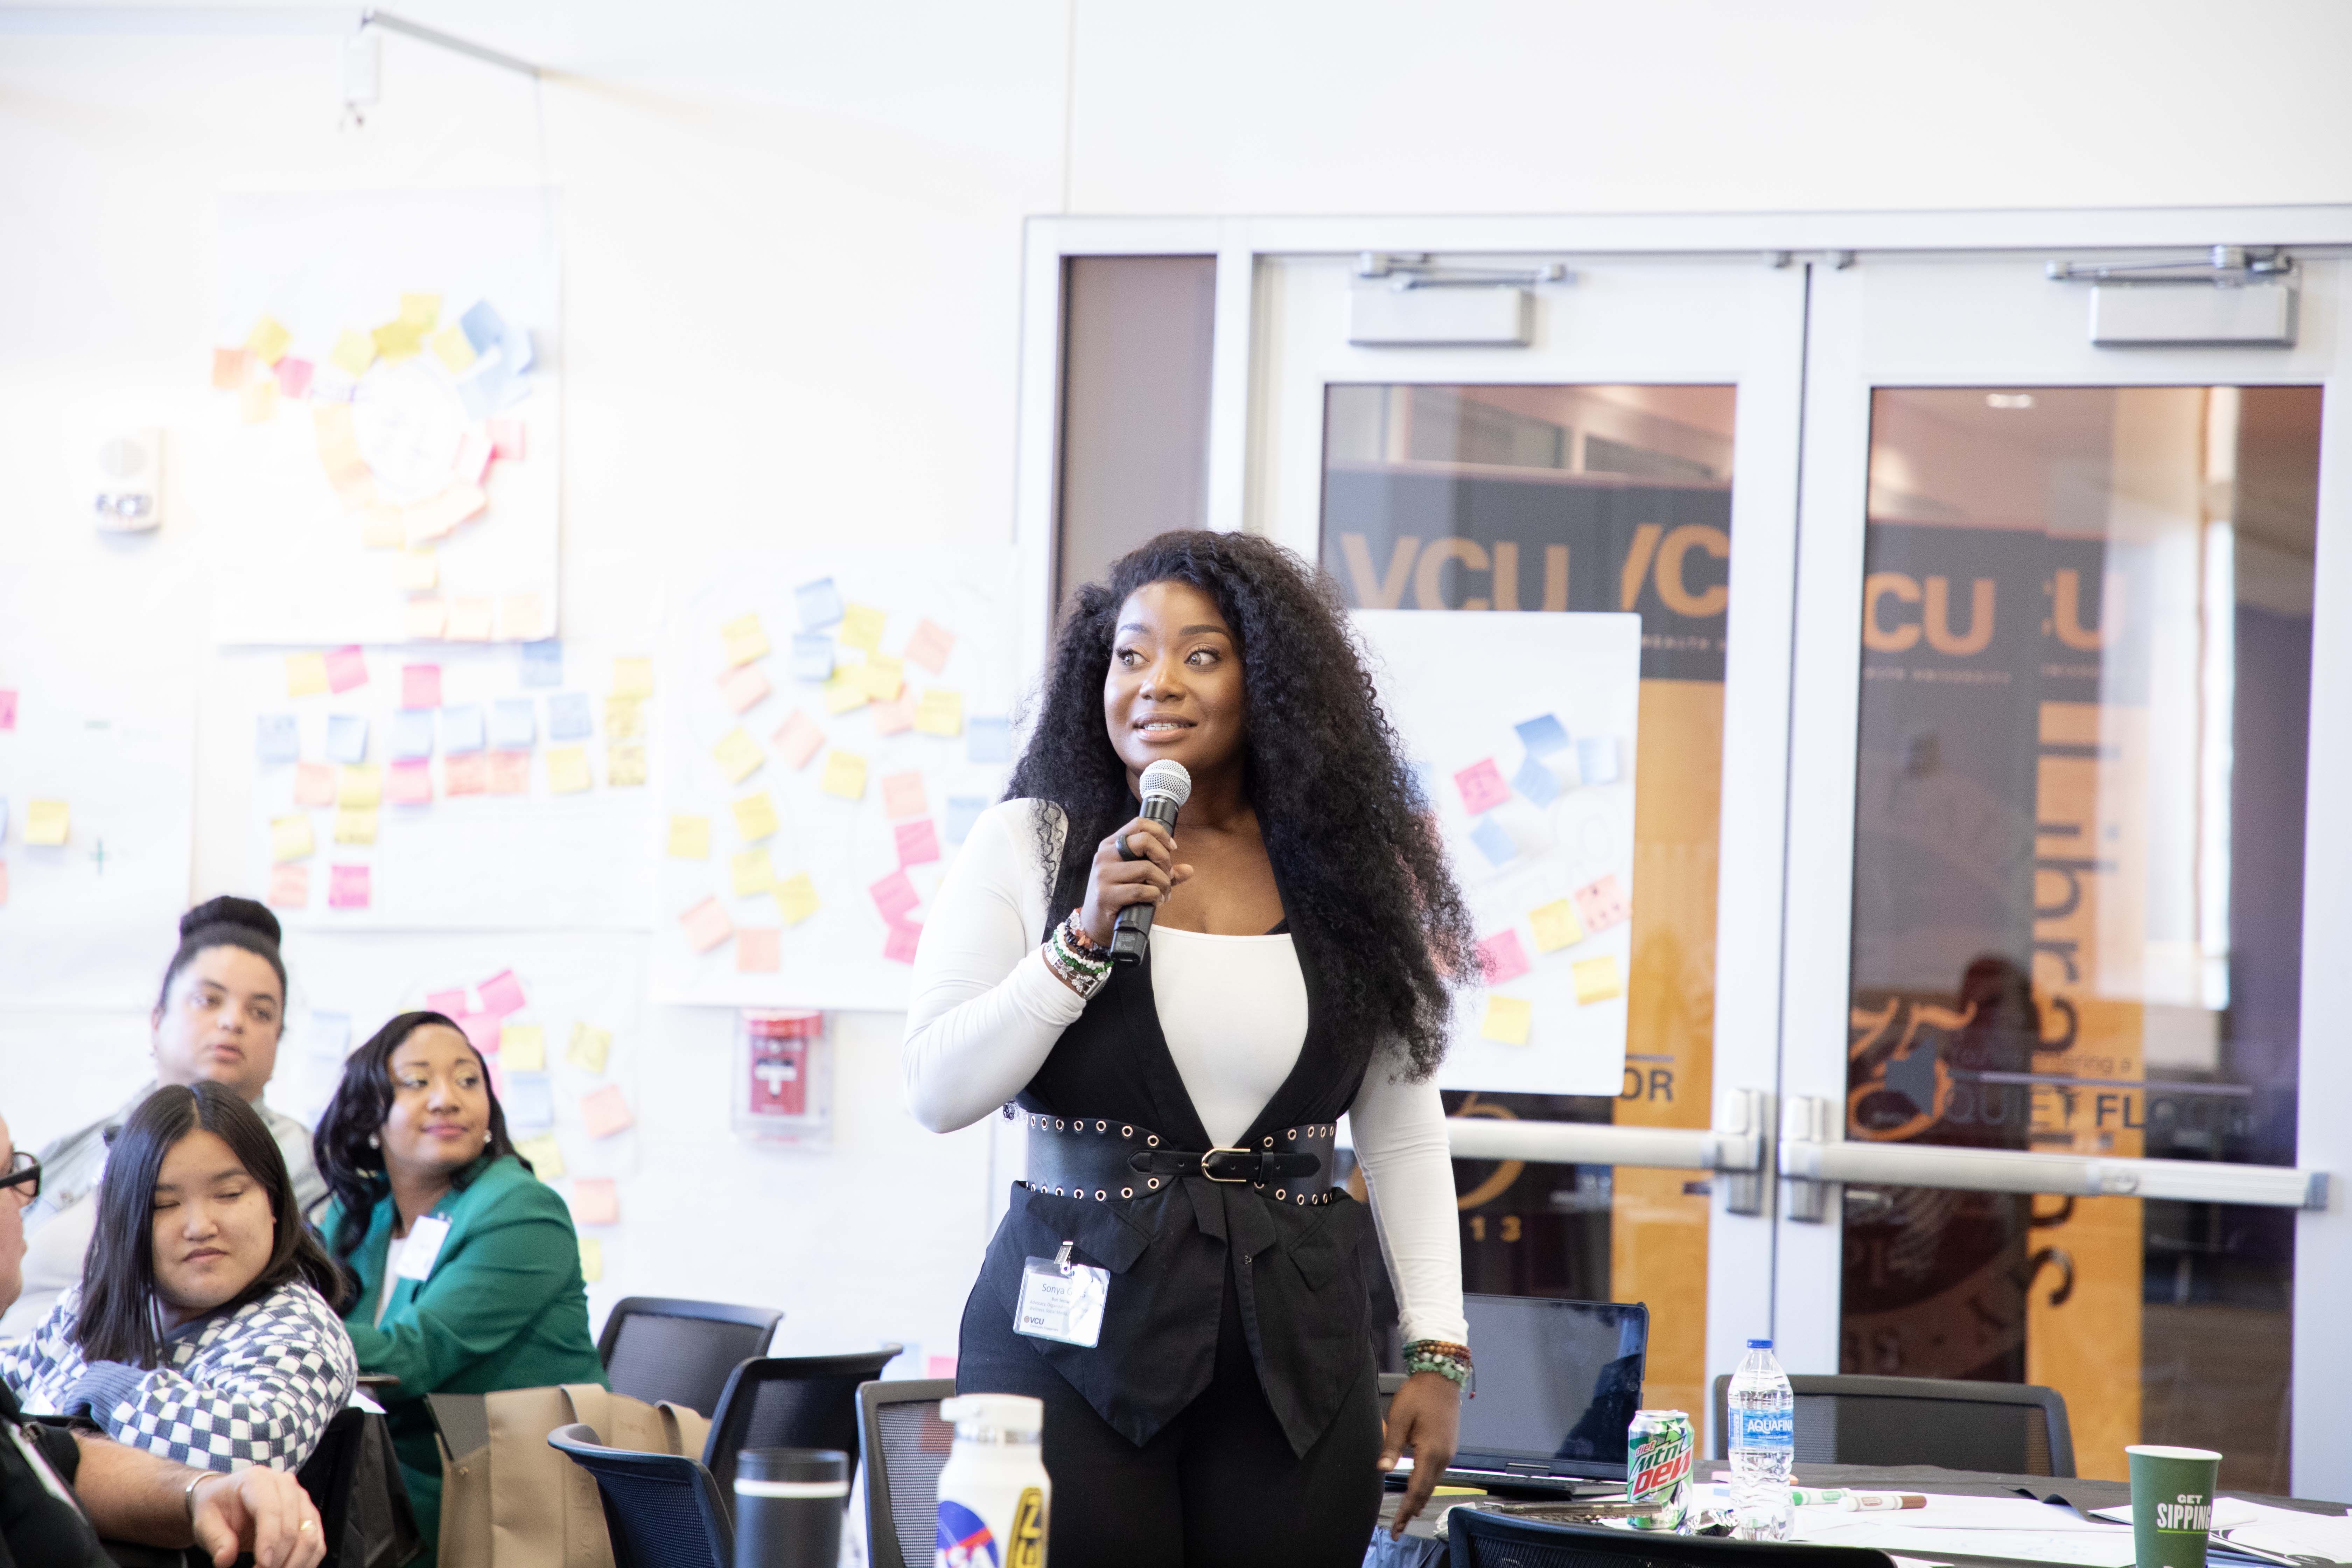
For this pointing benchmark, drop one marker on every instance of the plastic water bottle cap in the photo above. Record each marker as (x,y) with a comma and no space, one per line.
(1759,1344)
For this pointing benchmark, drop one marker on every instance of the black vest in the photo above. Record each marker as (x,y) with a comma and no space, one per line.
(1299,1273)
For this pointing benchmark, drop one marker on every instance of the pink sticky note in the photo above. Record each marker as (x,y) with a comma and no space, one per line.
(798,739)
(473,459)
(595,1199)
(1504,958)
(895,718)
(894,896)
(506,440)
(758,950)
(314,783)
(348,889)
(742,688)
(510,773)
(707,925)
(1600,904)
(293,376)
(898,947)
(902,795)
(468,772)
(409,784)
(502,993)
(346,667)
(481,1031)
(420,685)
(919,842)
(604,1113)
(448,1003)
(1482,786)
(930,646)
(7,709)
(290,885)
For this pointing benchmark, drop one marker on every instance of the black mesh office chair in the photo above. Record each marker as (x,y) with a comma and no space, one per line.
(1478,1539)
(2012,1428)
(907,1447)
(353,1477)
(662,1510)
(790,1402)
(654,1349)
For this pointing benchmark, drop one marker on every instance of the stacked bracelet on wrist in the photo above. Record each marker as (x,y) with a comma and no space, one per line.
(1073,958)
(1444,1357)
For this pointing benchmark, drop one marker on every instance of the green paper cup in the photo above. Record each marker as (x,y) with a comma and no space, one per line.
(2172,1504)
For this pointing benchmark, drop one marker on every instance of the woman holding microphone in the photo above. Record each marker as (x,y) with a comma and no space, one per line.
(1179,1280)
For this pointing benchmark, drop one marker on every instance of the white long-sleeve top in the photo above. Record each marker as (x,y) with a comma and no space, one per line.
(987,1012)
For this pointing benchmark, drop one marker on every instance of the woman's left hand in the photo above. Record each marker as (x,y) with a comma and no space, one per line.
(1425,1416)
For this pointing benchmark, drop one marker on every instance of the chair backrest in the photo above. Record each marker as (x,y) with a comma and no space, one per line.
(908,1445)
(661,1509)
(353,1478)
(1479,1539)
(789,1402)
(655,1348)
(2012,1428)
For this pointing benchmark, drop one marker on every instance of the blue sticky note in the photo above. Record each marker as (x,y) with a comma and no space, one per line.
(963,810)
(277,739)
(1542,736)
(542,663)
(1537,782)
(516,350)
(569,718)
(528,1100)
(988,740)
(331,1036)
(812,656)
(514,725)
(484,329)
(412,734)
(483,390)
(1493,843)
(820,604)
(1596,759)
(346,738)
(461,728)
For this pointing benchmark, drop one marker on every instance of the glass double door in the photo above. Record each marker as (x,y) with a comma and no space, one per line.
(1975,852)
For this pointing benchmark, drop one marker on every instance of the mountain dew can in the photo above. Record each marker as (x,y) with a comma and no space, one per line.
(1660,1451)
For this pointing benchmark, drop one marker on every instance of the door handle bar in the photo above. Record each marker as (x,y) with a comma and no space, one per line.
(2080,1175)
(1601,1144)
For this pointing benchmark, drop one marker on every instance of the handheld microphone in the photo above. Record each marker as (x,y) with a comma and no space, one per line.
(1166,786)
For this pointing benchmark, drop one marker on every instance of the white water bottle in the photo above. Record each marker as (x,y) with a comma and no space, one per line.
(995,1494)
(1763,1445)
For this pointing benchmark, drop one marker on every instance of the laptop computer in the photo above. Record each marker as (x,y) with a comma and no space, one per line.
(1558,1384)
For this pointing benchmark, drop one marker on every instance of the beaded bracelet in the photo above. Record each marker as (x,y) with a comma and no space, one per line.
(1078,968)
(1444,1357)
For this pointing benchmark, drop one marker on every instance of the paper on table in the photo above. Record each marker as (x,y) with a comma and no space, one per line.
(2110,1548)
(690,837)
(755,818)
(589,1047)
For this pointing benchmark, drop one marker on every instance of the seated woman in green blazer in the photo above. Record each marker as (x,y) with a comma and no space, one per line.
(469,1267)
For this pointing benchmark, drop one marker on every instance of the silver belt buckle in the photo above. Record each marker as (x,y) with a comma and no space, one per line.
(1229,1181)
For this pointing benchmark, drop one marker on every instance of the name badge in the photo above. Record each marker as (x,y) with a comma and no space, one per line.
(1061,1299)
(422,1245)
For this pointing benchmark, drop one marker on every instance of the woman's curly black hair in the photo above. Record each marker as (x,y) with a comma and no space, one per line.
(1364,880)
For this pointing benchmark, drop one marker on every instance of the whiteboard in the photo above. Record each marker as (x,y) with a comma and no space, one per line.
(545,858)
(853,950)
(1542,845)
(291,561)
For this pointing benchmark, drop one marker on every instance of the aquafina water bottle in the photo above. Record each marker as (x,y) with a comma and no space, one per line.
(1763,1445)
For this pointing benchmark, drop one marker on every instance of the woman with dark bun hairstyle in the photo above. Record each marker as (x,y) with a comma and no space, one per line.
(218,1016)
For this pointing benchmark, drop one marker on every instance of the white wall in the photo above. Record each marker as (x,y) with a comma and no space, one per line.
(792,240)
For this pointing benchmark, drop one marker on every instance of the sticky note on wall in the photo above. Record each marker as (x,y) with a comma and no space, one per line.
(522,1047)
(930,646)
(292,837)
(1482,786)
(755,818)
(605,1111)
(738,756)
(861,626)
(744,639)
(589,1048)
(595,1199)
(941,713)
(1504,958)
(1598,980)
(1507,1020)
(796,897)
(690,837)
(845,776)
(545,1155)
(706,925)
(1556,926)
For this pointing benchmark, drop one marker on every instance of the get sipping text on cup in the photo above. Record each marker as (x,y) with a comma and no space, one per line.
(2172,1504)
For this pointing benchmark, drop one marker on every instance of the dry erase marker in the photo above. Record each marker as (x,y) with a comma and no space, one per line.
(1854,1501)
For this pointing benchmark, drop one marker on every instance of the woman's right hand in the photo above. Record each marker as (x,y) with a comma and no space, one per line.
(1115,881)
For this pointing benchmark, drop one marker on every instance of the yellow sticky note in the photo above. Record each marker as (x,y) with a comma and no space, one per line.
(567,770)
(257,402)
(355,352)
(291,838)
(796,897)
(846,690)
(417,571)
(690,837)
(592,1259)
(625,718)
(420,311)
(632,676)
(450,347)
(625,764)
(861,626)
(383,526)
(1596,980)
(755,818)
(267,341)
(752,871)
(739,755)
(360,784)
(1556,926)
(522,1047)
(1507,1020)
(545,1155)
(590,1045)
(47,822)
(424,619)
(845,776)
(883,677)
(941,713)
(396,340)
(306,674)
(744,638)
(355,825)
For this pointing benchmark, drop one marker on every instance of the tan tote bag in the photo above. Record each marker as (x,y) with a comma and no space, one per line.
(517,1502)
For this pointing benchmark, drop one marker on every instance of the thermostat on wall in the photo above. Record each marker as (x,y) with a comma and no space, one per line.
(124,486)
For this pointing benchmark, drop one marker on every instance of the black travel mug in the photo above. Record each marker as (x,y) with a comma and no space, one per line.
(788,1507)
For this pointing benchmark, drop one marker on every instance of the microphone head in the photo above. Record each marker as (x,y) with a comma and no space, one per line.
(1169,778)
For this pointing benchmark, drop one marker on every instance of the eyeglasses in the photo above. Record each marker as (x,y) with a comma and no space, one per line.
(24,1170)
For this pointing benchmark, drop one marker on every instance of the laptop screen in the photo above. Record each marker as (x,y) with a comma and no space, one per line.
(1558,1384)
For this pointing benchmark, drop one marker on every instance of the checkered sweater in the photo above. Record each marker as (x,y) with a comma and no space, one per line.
(256,1386)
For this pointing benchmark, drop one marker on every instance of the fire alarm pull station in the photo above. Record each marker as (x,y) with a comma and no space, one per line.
(783,1076)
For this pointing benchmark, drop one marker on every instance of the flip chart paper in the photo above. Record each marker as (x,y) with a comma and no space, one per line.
(819,603)
(930,646)
(899,946)
(845,776)
(902,795)
(1596,758)
(306,674)
(796,897)
(463,728)
(707,925)
(894,895)
(861,626)
(277,738)
(1542,735)
(963,810)
(1507,1020)
(569,717)
(755,818)
(845,692)
(542,663)
(347,737)
(739,755)
(522,1047)
(625,764)
(546,1158)
(346,668)
(743,688)
(420,685)
(409,784)
(941,713)
(690,837)
(988,740)
(595,1199)
(1496,843)
(812,657)
(502,993)
(589,1048)
(758,950)
(744,639)
(291,838)
(625,718)
(510,773)
(798,739)
(290,887)
(360,785)
(567,770)
(894,718)
(355,825)
(467,774)
(1535,782)
(529,1098)
(314,784)
(919,842)
(751,872)
(882,677)
(514,725)
(1556,926)
(633,675)
(1504,958)
(1482,786)
(1598,980)
(348,888)
(1600,904)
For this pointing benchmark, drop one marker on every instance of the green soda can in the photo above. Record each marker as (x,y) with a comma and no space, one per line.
(1660,1451)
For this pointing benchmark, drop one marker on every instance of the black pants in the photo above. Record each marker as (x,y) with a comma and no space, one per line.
(1217,1488)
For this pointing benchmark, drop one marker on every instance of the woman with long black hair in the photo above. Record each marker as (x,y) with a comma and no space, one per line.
(1223,1409)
